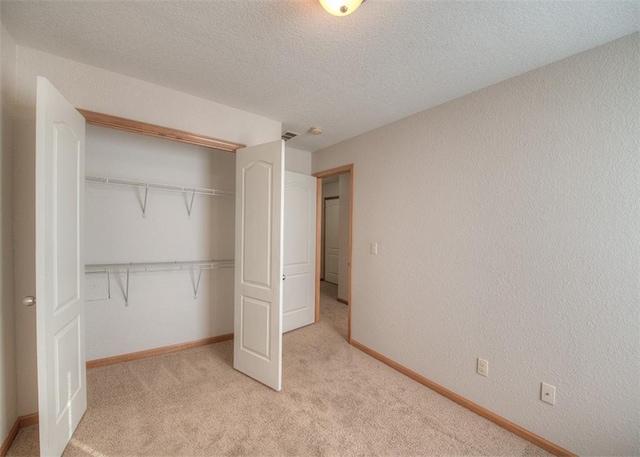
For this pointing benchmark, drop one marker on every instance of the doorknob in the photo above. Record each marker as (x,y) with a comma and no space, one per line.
(29,301)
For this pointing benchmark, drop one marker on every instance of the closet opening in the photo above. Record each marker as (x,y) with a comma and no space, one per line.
(159,236)
(334,246)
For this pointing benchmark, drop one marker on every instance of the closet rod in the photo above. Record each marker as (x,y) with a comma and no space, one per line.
(167,187)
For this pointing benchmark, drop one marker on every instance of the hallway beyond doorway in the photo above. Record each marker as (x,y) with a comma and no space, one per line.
(331,310)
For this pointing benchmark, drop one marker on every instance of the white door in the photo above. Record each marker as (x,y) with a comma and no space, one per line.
(299,250)
(331,239)
(257,346)
(62,389)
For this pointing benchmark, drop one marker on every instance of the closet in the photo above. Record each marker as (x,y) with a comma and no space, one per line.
(139,247)
(159,242)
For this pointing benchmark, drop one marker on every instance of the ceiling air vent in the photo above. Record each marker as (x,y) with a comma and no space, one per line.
(286,136)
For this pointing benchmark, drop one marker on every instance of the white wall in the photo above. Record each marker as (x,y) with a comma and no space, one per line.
(508,224)
(8,387)
(344,185)
(103,91)
(297,160)
(331,189)
(162,309)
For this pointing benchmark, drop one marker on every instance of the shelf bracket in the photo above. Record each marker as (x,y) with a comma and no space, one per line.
(197,285)
(190,206)
(126,291)
(144,205)
(108,285)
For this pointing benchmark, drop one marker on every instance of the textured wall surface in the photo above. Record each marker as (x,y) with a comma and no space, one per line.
(112,93)
(103,91)
(8,387)
(331,189)
(297,160)
(508,224)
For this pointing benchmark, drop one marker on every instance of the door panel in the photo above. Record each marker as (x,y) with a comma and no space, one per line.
(66,163)
(331,240)
(257,348)
(62,391)
(68,374)
(299,250)
(257,194)
(256,321)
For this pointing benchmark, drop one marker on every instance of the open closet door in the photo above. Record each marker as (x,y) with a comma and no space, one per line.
(299,303)
(62,389)
(257,347)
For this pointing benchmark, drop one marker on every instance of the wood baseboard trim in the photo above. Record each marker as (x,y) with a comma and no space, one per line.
(22,421)
(29,419)
(342,300)
(6,444)
(501,421)
(157,351)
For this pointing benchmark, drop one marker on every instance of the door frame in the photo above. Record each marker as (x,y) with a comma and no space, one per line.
(344,169)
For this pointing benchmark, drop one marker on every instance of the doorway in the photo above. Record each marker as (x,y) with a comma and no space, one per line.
(334,229)
(331,237)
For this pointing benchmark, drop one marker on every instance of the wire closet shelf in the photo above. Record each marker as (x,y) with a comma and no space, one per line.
(156,186)
(155,267)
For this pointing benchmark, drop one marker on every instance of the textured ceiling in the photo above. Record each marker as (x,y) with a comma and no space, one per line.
(291,61)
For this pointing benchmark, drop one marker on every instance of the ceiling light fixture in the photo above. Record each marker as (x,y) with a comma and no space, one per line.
(341,7)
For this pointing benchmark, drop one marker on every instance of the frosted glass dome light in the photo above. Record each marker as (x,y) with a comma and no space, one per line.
(340,7)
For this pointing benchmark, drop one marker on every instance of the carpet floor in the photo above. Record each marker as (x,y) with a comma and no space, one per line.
(336,401)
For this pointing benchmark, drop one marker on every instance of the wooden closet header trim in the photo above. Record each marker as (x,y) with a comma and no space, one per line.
(120,123)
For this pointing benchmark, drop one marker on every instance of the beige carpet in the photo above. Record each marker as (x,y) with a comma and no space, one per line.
(336,401)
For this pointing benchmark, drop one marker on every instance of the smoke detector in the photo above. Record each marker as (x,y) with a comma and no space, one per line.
(315,130)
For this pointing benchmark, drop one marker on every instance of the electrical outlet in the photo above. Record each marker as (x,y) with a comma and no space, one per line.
(483,367)
(548,393)
(374,248)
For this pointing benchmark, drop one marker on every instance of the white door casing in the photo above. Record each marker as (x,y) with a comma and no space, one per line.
(331,240)
(257,347)
(299,250)
(62,391)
